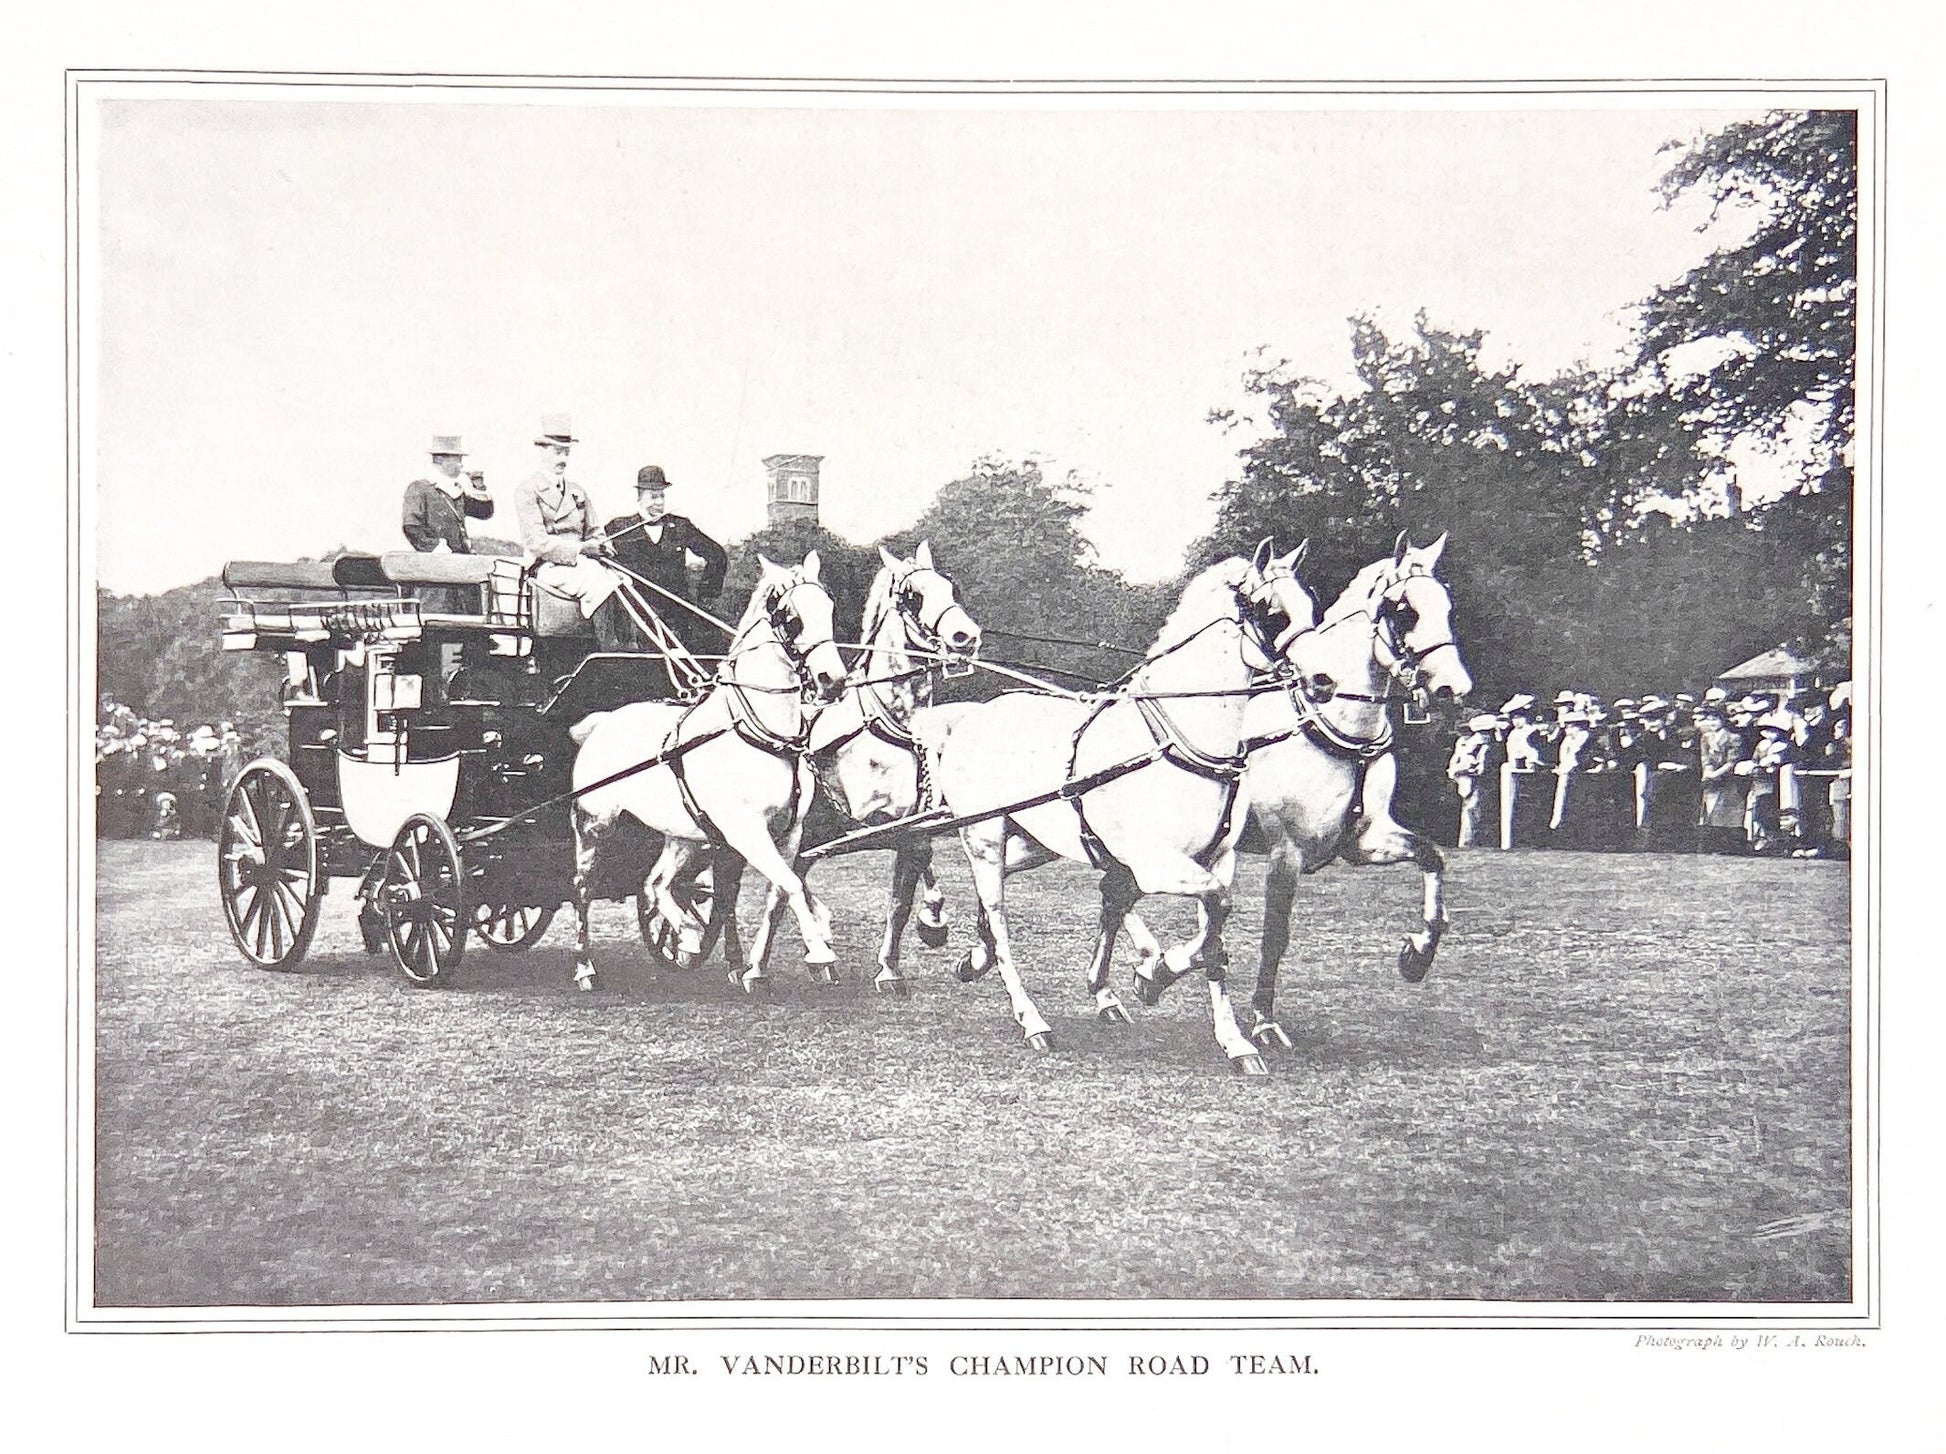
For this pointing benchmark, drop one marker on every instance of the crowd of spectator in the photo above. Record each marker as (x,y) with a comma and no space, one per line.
(153,780)
(1765,772)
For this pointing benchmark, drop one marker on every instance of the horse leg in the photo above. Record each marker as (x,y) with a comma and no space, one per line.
(979,958)
(1118,896)
(907,869)
(932,908)
(763,940)
(1148,950)
(1385,841)
(1280,892)
(1210,887)
(986,854)
(726,885)
(773,859)
(588,834)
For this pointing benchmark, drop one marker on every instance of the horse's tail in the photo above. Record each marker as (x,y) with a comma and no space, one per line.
(584,729)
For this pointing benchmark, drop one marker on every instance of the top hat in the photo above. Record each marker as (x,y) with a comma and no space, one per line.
(447,444)
(651,477)
(556,429)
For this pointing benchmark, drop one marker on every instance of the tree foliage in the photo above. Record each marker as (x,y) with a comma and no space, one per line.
(1775,316)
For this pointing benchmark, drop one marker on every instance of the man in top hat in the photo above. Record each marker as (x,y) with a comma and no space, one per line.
(435,513)
(657,545)
(437,508)
(558,526)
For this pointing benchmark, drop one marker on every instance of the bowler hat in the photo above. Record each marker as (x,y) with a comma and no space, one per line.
(556,429)
(651,477)
(447,444)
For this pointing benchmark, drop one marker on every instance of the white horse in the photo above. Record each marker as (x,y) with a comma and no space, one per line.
(734,774)
(1142,784)
(1322,772)
(863,750)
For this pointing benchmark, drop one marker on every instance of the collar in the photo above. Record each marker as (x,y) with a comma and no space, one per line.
(451,489)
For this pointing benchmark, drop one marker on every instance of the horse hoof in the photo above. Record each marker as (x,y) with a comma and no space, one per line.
(1414,966)
(689,959)
(968,971)
(757,987)
(1248,1065)
(1043,1042)
(933,936)
(1113,1015)
(1269,1035)
(1150,989)
(585,981)
(893,985)
(824,974)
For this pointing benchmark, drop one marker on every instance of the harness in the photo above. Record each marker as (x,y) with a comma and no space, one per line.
(745,723)
(1171,746)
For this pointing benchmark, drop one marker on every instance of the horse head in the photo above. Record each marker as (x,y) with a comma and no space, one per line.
(797,609)
(927,605)
(1412,618)
(1276,606)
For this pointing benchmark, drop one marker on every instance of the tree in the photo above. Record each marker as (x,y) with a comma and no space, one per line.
(1773,319)
(1011,540)
(1760,340)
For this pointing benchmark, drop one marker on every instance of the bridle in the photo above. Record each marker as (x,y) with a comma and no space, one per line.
(1263,616)
(1404,664)
(786,624)
(927,637)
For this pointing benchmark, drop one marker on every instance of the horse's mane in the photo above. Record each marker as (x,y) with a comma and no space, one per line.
(1365,588)
(753,609)
(878,602)
(1209,595)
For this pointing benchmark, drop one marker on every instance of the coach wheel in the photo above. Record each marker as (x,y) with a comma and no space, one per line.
(267,865)
(509,927)
(698,895)
(423,897)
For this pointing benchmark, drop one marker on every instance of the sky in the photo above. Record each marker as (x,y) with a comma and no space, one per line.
(290,296)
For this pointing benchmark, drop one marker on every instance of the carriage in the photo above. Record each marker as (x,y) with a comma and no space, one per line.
(429,700)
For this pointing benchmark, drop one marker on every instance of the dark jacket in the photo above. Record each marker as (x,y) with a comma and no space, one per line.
(662,561)
(429,516)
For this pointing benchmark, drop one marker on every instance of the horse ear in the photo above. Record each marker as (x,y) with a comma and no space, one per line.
(891,560)
(1262,557)
(811,566)
(1432,551)
(1399,549)
(766,564)
(924,558)
(1296,557)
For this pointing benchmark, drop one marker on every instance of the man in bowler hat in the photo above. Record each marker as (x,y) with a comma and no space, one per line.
(657,545)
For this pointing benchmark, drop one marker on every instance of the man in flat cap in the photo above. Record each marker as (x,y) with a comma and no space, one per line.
(657,546)
(558,527)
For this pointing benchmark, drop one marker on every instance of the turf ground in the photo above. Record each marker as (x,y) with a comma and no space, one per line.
(1627,1078)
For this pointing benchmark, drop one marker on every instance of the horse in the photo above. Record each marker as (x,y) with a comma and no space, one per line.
(1145,792)
(1321,768)
(862,749)
(727,772)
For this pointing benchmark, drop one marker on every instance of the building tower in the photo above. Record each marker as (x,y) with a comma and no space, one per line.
(793,488)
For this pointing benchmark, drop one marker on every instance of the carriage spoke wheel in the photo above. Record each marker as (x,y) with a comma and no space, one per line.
(661,936)
(423,897)
(267,865)
(510,927)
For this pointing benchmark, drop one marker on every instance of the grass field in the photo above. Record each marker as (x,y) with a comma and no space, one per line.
(1649,1067)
